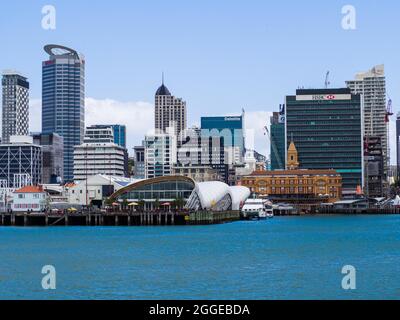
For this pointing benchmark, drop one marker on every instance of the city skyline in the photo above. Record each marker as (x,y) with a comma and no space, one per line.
(251,66)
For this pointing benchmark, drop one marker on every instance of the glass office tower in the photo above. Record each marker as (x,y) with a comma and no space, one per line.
(326,126)
(63,100)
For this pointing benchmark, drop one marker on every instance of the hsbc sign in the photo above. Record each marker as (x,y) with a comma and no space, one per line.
(327,97)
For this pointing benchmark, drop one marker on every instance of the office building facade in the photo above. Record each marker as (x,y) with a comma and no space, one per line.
(160,154)
(53,156)
(63,100)
(278,142)
(20,163)
(106,134)
(140,165)
(372,86)
(231,129)
(326,127)
(99,158)
(374,168)
(15,112)
(170,112)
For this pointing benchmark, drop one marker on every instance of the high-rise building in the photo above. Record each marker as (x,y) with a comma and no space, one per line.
(372,86)
(99,158)
(231,129)
(53,156)
(278,144)
(20,163)
(170,112)
(63,100)
(207,151)
(160,154)
(106,134)
(326,127)
(15,105)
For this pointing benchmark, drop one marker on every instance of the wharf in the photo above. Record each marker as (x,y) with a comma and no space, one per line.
(118,219)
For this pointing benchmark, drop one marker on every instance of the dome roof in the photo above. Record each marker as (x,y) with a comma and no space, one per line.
(163,91)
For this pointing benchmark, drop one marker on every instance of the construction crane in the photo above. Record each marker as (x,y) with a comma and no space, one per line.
(327,82)
(274,148)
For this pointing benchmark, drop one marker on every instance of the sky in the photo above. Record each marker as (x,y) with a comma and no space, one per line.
(219,56)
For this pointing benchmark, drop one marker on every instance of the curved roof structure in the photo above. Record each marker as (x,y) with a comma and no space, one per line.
(210,193)
(239,195)
(143,183)
(57,50)
(163,91)
(217,196)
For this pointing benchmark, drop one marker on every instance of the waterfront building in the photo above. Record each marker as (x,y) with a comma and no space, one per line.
(63,100)
(140,165)
(160,154)
(326,127)
(20,163)
(99,158)
(53,156)
(106,134)
(15,112)
(94,190)
(374,175)
(278,142)
(372,86)
(302,187)
(169,191)
(30,199)
(170,112)
(199,173)
(231,129)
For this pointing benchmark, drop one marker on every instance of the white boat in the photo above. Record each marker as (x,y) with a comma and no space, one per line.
(258,209)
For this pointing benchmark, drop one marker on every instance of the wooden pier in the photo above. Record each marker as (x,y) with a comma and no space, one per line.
(118,219)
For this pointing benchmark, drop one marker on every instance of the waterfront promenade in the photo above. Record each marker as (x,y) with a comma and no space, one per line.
(118,219)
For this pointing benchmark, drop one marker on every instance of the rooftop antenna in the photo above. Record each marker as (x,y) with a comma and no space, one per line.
(163,78)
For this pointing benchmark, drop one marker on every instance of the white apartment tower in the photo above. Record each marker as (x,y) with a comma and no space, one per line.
(15,105)
(372,86)
(160,154)
(170,112)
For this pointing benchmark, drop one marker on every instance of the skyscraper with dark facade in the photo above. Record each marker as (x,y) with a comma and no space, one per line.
(326,127)
(15,121)
(63,100)
(278,145)
(53,156)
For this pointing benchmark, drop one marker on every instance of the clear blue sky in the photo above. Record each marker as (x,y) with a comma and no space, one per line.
(219,56)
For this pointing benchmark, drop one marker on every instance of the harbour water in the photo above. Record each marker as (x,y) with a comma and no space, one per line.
(282,258)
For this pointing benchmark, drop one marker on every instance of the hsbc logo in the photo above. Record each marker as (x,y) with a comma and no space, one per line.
(330,97)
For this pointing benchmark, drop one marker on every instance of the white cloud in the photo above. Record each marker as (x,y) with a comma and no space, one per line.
(137,116)
(255,122)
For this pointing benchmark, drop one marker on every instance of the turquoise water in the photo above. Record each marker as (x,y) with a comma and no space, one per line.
(283,258)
